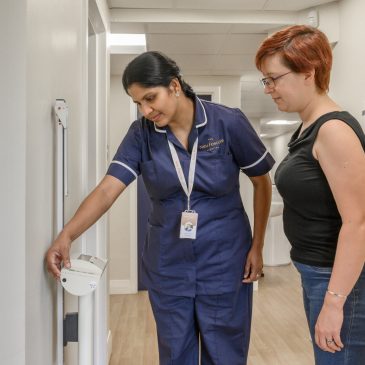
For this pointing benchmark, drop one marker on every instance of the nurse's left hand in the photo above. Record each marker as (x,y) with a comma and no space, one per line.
(253,266)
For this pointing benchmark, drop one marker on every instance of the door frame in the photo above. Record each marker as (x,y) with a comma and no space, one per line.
(214,91)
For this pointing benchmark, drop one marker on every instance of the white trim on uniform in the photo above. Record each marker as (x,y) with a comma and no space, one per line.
(126,166)
(255,163)
(158,129)
(205,116)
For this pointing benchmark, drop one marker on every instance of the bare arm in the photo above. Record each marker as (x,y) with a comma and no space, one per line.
(90,210)
(342,159)
(261,203)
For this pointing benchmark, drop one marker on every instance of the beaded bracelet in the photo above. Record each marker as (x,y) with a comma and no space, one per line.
(336,294)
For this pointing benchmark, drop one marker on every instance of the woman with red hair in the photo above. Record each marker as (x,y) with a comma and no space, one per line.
(322,182)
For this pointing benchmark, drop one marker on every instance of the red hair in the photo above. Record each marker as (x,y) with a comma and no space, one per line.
(302,48)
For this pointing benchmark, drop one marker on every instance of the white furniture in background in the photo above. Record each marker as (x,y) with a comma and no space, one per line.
(277,247)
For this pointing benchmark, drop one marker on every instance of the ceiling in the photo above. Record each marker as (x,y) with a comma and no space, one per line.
(212,38)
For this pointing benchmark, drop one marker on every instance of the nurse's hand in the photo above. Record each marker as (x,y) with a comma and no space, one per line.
(59,252)
(253,266)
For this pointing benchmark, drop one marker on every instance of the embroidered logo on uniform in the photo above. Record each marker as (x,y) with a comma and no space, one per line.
(213,144)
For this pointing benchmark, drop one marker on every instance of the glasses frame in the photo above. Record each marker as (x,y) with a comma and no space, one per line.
(273,79)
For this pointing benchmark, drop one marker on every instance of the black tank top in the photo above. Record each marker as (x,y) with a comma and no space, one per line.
(311,218)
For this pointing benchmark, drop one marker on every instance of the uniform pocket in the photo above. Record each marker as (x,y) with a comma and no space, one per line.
(160,179)
(216,174)
(151,254)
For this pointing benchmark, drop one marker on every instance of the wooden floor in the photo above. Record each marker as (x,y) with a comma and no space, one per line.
(279,329)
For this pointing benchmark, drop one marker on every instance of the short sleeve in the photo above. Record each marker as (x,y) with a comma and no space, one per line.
(126,162)
(248,150)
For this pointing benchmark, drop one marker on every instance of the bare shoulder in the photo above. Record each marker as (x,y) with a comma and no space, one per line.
(337,133)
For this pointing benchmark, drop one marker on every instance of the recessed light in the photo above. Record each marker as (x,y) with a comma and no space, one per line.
(126,39)
(282,122)
(127,43)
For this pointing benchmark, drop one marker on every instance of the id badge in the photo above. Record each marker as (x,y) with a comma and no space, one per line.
(189,221)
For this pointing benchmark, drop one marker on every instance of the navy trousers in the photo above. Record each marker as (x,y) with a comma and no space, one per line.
(222,322)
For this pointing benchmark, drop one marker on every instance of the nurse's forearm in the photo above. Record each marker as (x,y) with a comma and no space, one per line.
(261,207)
(93,207)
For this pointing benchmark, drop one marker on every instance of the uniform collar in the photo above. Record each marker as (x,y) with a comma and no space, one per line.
(200,116)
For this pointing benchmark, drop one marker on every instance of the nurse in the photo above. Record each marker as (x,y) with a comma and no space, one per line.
(200,257)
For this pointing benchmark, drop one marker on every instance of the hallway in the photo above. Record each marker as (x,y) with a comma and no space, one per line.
(60,50)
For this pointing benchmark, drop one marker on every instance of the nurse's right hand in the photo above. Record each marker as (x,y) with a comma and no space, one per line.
(57,254)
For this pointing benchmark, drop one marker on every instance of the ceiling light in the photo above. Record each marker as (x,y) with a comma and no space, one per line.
(127,43)
(282,122)
(126,39)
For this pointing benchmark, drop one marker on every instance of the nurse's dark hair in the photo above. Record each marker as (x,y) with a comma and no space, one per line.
(302,48)
(152,69)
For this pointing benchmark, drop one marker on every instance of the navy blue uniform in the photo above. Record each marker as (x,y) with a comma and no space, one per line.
(212,264)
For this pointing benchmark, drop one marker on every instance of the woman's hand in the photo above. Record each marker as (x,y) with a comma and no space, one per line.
(328,326)
(254,265)
(57,254)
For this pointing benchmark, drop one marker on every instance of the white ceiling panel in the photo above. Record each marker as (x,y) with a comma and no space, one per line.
(128,28)
(285,5)
(188,28)
(221,5)
(237,64)
(140,4)
(255,28)
(294,5)
(186,43)
(189,4)
(189,64)
(242,43)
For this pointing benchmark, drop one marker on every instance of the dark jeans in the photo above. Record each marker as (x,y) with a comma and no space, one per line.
(315,282)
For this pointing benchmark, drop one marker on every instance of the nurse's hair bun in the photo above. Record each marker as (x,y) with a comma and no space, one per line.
(152,69)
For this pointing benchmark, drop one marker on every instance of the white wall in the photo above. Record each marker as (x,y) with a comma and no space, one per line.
(12,182)
(56,68)
(327,17)
(230,87)
(120,221)
(342,22)
(45,58)
(348,73)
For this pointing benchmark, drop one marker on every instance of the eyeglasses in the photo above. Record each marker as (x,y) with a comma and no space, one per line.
(269,82)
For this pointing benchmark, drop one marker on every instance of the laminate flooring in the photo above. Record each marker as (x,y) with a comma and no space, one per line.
(279,330)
